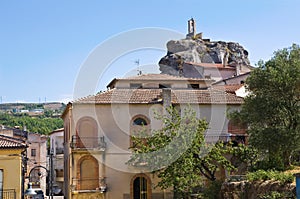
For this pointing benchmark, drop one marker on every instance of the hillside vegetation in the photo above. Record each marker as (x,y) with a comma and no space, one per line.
(41,124)
(45,122)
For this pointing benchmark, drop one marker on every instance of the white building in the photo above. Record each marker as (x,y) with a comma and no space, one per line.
(56,144)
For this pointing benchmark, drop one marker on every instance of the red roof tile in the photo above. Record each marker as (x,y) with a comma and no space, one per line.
(212,65)
(206,97)
(148,96)
(159,77)
(227,88)
(7,142)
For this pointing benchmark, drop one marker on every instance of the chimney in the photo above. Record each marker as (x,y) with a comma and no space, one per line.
(238,69)
(166,96)
(225,59)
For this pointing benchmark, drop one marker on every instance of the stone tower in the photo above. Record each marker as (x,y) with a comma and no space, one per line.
(191,28)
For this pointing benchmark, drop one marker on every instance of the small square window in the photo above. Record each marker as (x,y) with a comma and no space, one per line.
(194,86)
(33,152)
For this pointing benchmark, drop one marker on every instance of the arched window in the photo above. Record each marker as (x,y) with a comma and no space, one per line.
(141,187)
(140,121)
(88,173)
(87,133)
(140,126)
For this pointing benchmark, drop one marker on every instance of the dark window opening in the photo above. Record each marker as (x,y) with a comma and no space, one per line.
(135,85)
(239,139)
(164,85)
(140,121)
(195,86)
(140,188)
(33,152)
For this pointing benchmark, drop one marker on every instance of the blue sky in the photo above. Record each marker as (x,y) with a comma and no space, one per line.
(43,44)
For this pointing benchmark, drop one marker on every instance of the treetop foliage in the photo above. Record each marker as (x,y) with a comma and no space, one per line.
(272,108)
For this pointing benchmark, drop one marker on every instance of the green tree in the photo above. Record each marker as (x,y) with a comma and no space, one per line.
(272,108)
(42,125)
(178,154)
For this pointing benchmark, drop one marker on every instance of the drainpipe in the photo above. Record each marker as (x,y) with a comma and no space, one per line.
(23,170)
(297,175)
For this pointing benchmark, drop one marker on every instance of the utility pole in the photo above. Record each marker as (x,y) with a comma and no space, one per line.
(51,174)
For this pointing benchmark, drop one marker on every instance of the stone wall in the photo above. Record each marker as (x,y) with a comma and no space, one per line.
(252,190)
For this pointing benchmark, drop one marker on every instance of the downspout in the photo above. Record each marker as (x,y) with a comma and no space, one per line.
(23,170)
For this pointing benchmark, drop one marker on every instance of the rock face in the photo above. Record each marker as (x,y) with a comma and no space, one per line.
(199,50)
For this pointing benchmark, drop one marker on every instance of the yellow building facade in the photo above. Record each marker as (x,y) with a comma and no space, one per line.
(11,176)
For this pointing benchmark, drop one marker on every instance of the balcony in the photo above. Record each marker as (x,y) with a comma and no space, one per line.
(8,193)
(88,143)
(89,185)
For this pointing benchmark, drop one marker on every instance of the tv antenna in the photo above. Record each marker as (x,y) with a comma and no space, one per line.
(137,62)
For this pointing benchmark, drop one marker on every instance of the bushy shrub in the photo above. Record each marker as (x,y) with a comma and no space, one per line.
(282,177)
(277,195)
(258,175)
(274,163)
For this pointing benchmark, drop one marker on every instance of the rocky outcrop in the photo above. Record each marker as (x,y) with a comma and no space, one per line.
(199,50)
(255,190)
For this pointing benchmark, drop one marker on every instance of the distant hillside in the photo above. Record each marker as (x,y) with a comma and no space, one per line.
(39,124)
(40,118)
(51,109)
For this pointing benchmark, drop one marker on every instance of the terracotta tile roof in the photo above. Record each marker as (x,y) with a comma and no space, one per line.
(231,78)
(206,97)
(227,88)
(156,77)
(159,77)
(7,142)
(149,96)
(212,65)
(123,96)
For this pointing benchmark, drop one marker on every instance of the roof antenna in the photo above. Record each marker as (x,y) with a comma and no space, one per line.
(137,62)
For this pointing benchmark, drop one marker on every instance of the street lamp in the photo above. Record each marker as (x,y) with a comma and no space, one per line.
(30,192)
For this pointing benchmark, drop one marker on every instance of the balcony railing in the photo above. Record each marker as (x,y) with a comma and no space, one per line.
(228,137)
(8,194)
(93,143)
(89,185)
